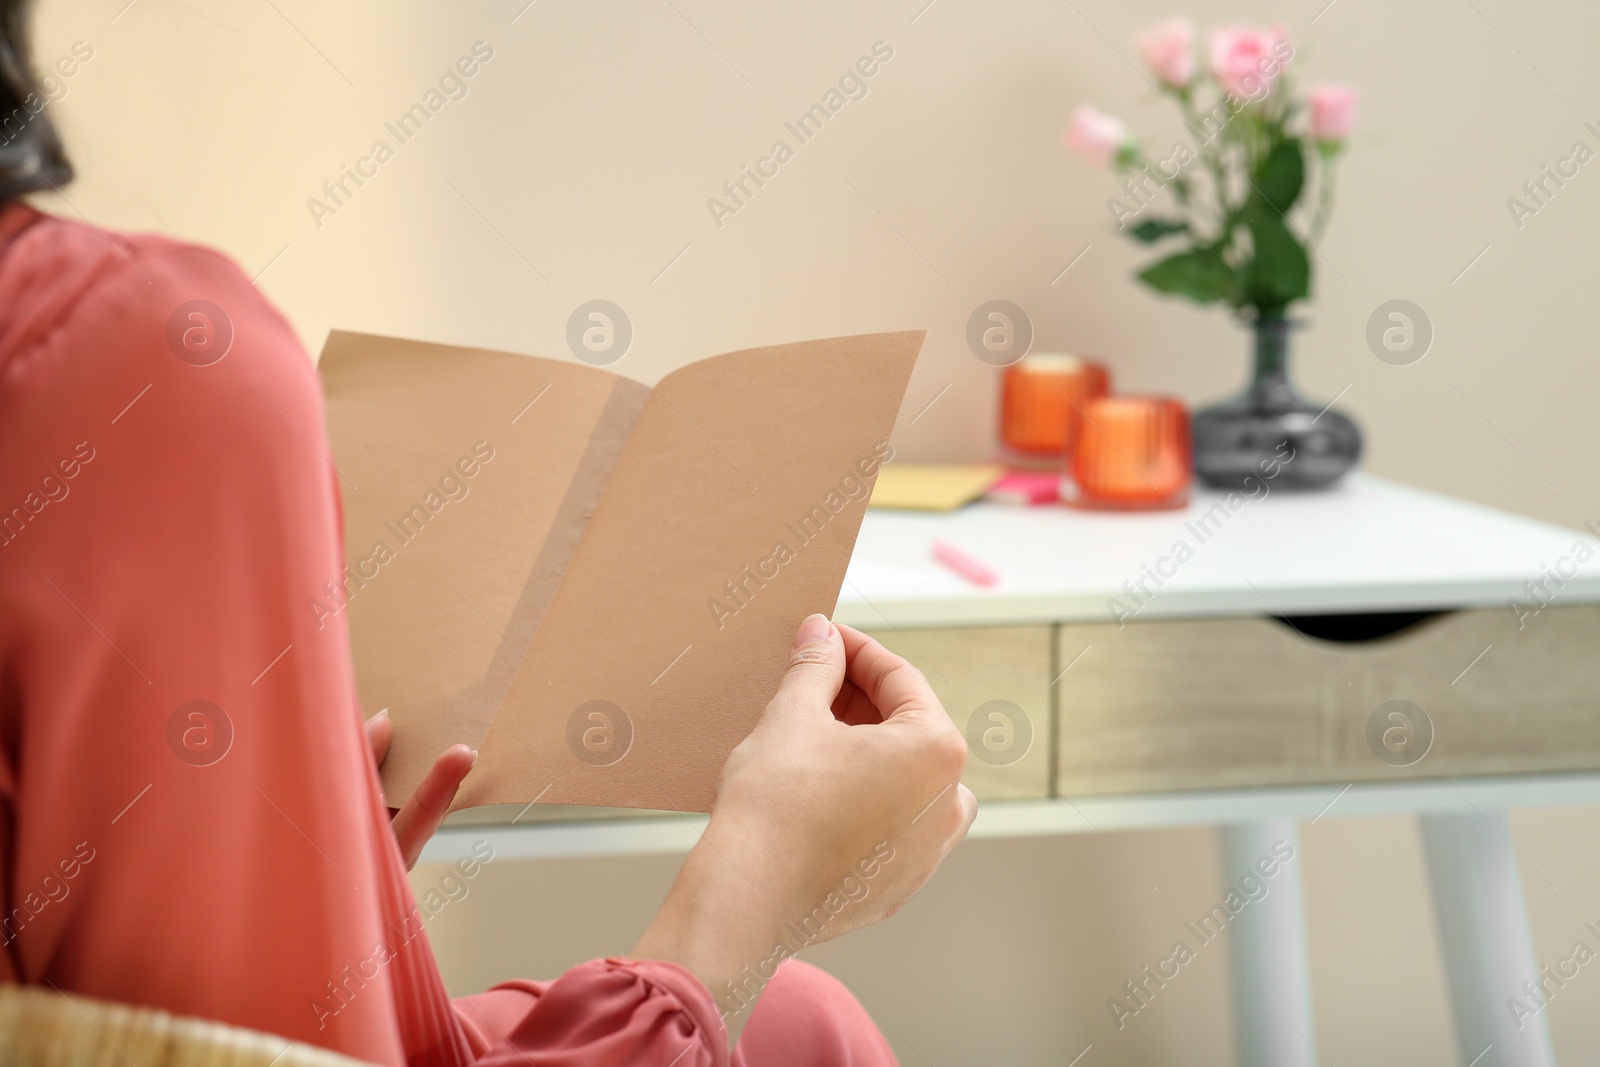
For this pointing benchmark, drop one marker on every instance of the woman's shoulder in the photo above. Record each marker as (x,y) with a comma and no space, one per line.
(72,290)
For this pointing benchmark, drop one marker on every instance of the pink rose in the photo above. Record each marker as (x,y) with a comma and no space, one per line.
(1333,111)
(1094,135)
(1168,50)
(1246,60)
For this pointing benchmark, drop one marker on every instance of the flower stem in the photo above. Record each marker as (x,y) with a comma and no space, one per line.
(1328,154)
(1208,152)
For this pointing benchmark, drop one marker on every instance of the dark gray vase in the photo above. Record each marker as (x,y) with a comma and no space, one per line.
(1271,434)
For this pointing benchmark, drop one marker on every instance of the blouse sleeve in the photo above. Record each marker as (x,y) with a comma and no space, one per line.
(601,1013)
(185,786)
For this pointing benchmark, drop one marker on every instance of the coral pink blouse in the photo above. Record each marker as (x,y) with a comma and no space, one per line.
(189,814)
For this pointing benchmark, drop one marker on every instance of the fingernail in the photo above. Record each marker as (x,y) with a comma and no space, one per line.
(815,628)
(474,755)
(383,713)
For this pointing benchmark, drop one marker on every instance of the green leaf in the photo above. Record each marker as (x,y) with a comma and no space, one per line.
(1281,175)
(1199,274)
(1152,230)
(1279,272)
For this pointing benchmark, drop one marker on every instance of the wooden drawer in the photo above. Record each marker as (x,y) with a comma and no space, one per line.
(1001,674)
(1251,702)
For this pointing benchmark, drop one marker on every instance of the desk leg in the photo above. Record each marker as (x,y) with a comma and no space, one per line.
(1484,939)
(1271,966)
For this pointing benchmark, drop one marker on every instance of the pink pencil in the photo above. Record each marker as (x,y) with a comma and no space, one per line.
(964,565)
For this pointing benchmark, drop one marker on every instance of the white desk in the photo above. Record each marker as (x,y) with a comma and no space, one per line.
(1368,547)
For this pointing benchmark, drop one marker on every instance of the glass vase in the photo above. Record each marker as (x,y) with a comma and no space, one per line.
(1270,434)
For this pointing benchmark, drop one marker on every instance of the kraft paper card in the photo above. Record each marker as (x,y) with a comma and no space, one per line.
(591,581)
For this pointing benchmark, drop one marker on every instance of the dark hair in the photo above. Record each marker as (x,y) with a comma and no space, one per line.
(31,155)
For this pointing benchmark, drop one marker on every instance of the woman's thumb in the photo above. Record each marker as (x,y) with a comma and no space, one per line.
(816,670)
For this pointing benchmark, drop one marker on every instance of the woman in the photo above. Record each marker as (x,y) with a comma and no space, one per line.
(163,515)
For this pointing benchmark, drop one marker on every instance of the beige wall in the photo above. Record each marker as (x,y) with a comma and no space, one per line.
(581,160)
(593,139)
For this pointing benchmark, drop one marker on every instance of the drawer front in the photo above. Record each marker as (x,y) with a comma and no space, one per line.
(1251,702)
(995,683)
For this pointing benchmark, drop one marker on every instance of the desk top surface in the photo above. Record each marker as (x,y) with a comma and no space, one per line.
(1369,545)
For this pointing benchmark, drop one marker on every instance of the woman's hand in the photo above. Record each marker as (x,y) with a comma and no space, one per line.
(422,814)
(831,815)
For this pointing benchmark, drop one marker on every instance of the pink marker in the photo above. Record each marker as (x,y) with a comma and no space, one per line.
(964,565)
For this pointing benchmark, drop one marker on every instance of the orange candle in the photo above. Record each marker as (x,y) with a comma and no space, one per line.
(1134,453)
(1042,397)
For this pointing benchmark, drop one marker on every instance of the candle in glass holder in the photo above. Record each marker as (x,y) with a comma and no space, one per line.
(1042,397)
(1133,453)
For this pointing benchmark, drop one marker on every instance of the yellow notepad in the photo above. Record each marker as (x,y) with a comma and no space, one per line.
(933,486)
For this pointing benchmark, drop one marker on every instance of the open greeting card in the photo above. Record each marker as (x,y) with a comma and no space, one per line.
(591,581)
